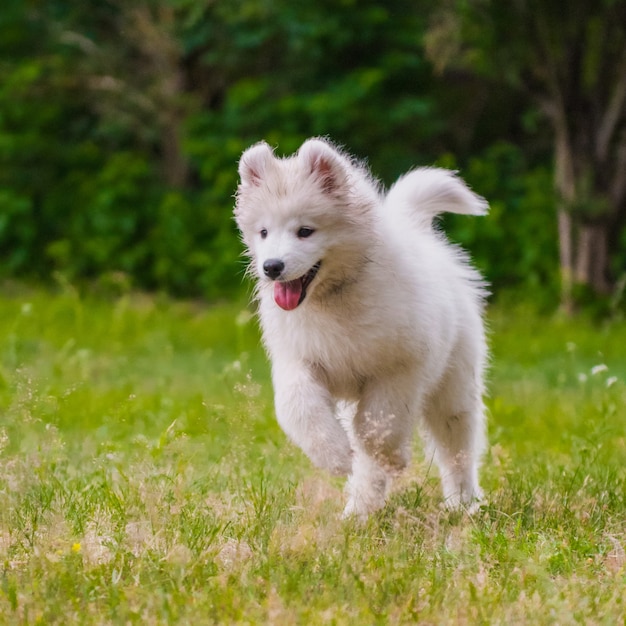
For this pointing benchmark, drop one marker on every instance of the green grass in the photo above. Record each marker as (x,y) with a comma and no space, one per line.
(143,480)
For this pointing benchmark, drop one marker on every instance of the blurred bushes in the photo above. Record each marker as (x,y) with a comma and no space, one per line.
(99,101)
(517,243)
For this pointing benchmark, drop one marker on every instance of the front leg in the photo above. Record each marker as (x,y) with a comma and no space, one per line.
(306,412)
(382,429)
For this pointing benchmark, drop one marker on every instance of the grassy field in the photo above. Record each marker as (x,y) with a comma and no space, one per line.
(143,480)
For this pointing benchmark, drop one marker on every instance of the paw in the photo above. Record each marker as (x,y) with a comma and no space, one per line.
(360,509)
(367,489)
(353,512)
(472,508)
(465,502)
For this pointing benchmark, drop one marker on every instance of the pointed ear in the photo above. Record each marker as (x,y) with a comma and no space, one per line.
(254,163)
(324,163)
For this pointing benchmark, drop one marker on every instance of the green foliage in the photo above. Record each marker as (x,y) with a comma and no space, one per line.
(121,124)
(144,480)
(516,244)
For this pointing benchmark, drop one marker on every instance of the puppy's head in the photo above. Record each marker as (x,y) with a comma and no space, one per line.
(290,213)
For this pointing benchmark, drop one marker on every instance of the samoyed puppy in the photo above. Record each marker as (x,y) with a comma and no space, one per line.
(372,320)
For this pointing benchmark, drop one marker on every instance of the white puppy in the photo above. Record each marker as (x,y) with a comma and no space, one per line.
(372,320)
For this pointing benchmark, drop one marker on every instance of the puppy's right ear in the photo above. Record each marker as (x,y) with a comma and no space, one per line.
(324,164)
(254,163)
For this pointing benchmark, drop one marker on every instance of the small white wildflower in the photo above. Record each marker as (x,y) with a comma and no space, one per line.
(611,381)
(582,378)
(596,369)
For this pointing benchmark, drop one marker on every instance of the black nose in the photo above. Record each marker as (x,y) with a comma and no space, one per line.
(273,268)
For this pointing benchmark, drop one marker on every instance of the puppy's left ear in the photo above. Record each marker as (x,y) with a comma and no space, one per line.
(324,163)
(254,163)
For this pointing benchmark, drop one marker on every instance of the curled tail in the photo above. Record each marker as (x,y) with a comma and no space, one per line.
(426,192)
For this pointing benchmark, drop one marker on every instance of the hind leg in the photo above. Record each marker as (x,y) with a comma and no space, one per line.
(455,425)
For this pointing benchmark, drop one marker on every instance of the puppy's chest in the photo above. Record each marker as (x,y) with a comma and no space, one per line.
(343,356)
(341,368)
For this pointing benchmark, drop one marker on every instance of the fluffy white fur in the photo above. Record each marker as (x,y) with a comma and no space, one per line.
(389,334)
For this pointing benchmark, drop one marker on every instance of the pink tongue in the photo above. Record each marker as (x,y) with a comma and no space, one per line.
(287,295)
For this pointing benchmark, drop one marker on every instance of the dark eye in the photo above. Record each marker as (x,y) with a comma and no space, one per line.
(305,232)
(263,233)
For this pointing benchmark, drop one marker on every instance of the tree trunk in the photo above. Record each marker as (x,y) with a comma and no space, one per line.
(566,191)
(580,79)
(592,257)
(173,159)
(566,259)
(583,239)
(153,29)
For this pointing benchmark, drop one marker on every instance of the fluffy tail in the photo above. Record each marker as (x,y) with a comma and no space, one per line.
(426,192)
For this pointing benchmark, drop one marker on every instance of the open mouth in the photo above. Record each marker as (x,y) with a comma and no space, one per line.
(289,294)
